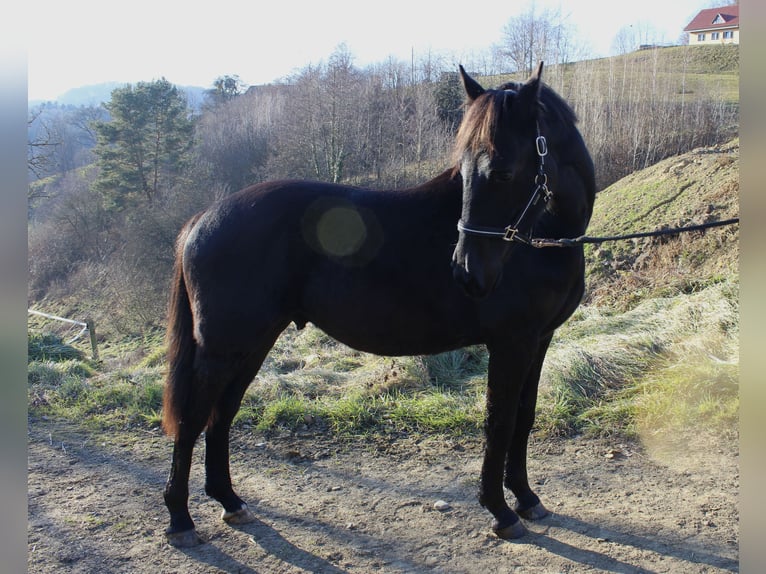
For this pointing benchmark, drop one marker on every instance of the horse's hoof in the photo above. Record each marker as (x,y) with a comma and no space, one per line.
(185,539)
(509,531)
(535,512)
(241,516)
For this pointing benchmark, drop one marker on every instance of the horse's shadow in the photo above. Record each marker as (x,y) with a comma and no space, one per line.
(276,545)
(594,559)
(272,542)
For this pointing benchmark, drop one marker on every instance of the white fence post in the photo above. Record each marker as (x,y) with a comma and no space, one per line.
(88,325)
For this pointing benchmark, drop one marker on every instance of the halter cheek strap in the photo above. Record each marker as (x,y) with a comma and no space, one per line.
(511,232)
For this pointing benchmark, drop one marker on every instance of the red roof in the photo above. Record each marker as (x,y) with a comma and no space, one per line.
(729,18)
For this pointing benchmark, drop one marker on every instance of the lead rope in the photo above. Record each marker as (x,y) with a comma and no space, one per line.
(583,239)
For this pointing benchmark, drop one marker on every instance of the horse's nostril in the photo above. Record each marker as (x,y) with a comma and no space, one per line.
(457,272)
(472,286)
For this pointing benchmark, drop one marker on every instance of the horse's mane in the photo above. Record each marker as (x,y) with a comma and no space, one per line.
(477,130)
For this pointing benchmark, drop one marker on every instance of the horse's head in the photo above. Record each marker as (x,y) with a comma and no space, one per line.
(500,154)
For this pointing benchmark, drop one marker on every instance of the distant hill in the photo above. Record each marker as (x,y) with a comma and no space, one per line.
(89,95)
(96,94)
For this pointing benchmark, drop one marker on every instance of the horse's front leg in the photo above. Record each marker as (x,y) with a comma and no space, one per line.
(528,503)
(508,368)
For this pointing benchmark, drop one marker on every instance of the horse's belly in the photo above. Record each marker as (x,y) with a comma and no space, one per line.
(395,342)
(391,326)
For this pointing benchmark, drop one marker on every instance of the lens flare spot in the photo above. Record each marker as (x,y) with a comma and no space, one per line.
(341,231)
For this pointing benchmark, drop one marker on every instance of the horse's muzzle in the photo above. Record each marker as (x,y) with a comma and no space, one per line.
(475,285)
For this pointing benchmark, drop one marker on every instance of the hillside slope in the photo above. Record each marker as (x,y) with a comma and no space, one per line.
(690,189)
(689,72)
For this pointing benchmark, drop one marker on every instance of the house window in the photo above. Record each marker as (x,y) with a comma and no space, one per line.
(714,35)
(700,37)
(728,34)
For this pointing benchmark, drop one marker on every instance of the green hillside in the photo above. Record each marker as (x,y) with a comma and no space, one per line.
(690,71)
(690,189)
(653,352)
(696,70)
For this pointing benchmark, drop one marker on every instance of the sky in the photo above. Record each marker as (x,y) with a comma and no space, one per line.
(84,42)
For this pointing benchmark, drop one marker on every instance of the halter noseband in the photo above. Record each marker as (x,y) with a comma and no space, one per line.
(511,232)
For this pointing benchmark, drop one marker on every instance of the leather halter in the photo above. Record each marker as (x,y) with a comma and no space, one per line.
(511,232)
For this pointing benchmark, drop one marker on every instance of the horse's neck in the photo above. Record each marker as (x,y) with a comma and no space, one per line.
(571,205)
(448,182)
(574,189)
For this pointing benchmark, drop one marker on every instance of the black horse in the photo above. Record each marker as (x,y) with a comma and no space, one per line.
(407,272)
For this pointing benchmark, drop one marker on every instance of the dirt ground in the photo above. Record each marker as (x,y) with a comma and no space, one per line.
(95,505)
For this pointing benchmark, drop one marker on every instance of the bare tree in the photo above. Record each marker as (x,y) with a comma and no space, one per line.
(316,137)
(233,138)
(638,111)
(634,36)
(60,138)
(41,145)
(535,36)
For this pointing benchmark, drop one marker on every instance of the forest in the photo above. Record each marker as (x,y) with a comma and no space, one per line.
(111,185)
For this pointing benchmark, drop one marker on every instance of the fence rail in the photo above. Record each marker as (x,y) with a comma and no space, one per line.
(87,325)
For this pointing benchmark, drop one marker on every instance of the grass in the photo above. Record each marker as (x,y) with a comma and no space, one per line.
(674,397)
(346,392)
(662,365)
(669,365)
(396,412)
(309,380)
(86,391)
(691,189)
(51,347)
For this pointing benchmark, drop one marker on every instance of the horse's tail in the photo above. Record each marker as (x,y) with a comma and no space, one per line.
(180,343)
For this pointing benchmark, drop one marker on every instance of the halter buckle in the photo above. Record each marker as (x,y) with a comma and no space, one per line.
(510,233)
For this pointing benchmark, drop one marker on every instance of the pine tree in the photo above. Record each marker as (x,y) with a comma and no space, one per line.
(143,149)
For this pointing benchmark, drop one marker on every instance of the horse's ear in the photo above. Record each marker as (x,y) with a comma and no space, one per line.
(529,93)
(538,75)
(532,85)
(472,88)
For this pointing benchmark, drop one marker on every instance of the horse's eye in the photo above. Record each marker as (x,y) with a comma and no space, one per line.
(502,175)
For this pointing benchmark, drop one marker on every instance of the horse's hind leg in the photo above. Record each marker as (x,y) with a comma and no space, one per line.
(181,531)
(217,473)
(194,417)
(528,503)
(216,387)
